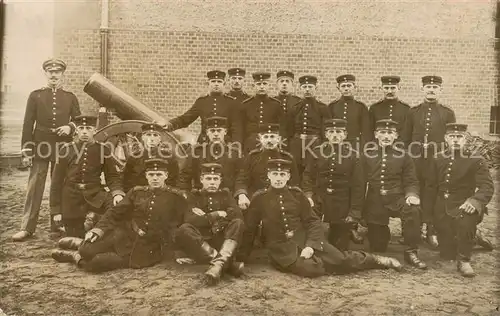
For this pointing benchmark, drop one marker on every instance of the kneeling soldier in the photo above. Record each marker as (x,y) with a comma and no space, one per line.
(76,183)
(462,187)
(213,222)
(392,192)
(294,236)
(133,233)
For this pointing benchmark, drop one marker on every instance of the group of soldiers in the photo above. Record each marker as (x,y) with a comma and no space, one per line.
(274,167)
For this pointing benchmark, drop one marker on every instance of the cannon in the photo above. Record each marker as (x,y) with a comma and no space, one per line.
(125,134)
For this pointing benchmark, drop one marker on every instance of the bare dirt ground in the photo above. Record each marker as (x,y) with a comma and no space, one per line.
(31,283)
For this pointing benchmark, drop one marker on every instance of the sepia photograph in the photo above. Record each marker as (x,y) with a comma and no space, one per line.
(249,157)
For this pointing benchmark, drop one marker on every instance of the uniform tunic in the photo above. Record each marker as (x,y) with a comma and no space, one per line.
(357,117)
(395,110)
(238,95)
(288,101)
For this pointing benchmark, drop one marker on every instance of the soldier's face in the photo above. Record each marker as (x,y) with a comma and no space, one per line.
(85,133)
(386,137)
(210,182)
(156,178)
(54,76)
(278,179)
(261,87)
(455,140)
(336,135)
(216,135)
(215,85)
(432,91)
(308,90)
(284,85)
(151,139)
(269,140)
(346,88)
(236,82)
(390,91)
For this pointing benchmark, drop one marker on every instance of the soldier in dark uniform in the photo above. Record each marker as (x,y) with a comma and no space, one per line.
(253,174)
(284,83)
(390,107)
(214,150)
(305,122)
(213,221)
(294,236)
(462,187)
(213,104)
(333,182)
(236,81)
(76,183)
(257,110)
(392,191)
(150,147)
(426,125)
(133,233)
(46,126)
(354,112)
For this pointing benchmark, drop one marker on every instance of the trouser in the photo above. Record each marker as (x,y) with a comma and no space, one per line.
(330,261)
(379,235)
(339,235)
(34,194)
(456,235)
(189,239)
(426,211)
(100,256)
(74,227)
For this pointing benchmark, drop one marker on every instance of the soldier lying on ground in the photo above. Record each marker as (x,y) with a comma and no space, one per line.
(133,233)
(294,237)
(213,221)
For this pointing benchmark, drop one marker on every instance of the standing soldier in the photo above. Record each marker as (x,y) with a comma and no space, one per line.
(294,236)
(354,112)
(305,122)
(392,191)
(427,124)
(462,187)
(284,83)
(213,104)
(390,107)
(213,221)
(236,81)
(258,110)
(133,233)
(151,147)
(334,182)
(253,174)
(76,184)
(46,127)
(215,150)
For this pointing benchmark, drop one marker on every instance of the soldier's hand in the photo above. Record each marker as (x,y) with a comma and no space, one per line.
(185,261)
(57,219)
(221,213)
(167,126)
(63,130)
(311,201)
(243,201)
(349,220)
(307,252)
(467,207)
(198,211)
(117,199)
(90,236)
(27,161)
(412,200)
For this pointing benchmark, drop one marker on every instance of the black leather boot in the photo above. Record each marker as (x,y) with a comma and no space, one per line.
(387,262)
(66,256)
(70,243)
(213,273)
(411,258)
(483,242)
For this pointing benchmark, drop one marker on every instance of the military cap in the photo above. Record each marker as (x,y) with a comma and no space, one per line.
(456,128)
(346,78)
(269,128)
(151,127)
(308,79)
(285,73)
(386,124)
(54,63)
(279,164)
(431,80)
(216,74)
(211,168)
(156,164)
(85,120)
(236,72)
(335,123)
(258,76)
(390,79)
(216,121)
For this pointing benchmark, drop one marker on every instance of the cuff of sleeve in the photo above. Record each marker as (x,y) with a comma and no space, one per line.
(408,194)
(117,192)
(315,244)
(72,126)
(99,232)
(240,191)
(54,210)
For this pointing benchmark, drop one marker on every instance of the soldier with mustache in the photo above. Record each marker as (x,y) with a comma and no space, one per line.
(236,82)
